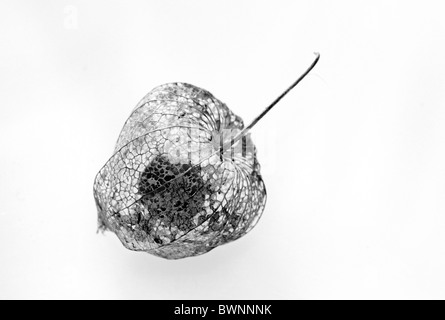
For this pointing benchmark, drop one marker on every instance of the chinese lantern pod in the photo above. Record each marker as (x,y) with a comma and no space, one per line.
(175,186)
(184,178)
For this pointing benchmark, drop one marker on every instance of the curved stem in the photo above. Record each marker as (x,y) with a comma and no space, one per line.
(262,114)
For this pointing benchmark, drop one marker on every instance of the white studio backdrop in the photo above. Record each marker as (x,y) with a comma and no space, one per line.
(353,159)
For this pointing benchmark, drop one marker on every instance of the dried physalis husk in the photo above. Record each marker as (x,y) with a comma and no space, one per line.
(183,178)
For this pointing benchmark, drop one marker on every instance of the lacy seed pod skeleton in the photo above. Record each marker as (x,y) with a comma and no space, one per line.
(184,177)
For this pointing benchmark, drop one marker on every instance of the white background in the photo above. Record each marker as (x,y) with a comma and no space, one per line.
(353,158)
